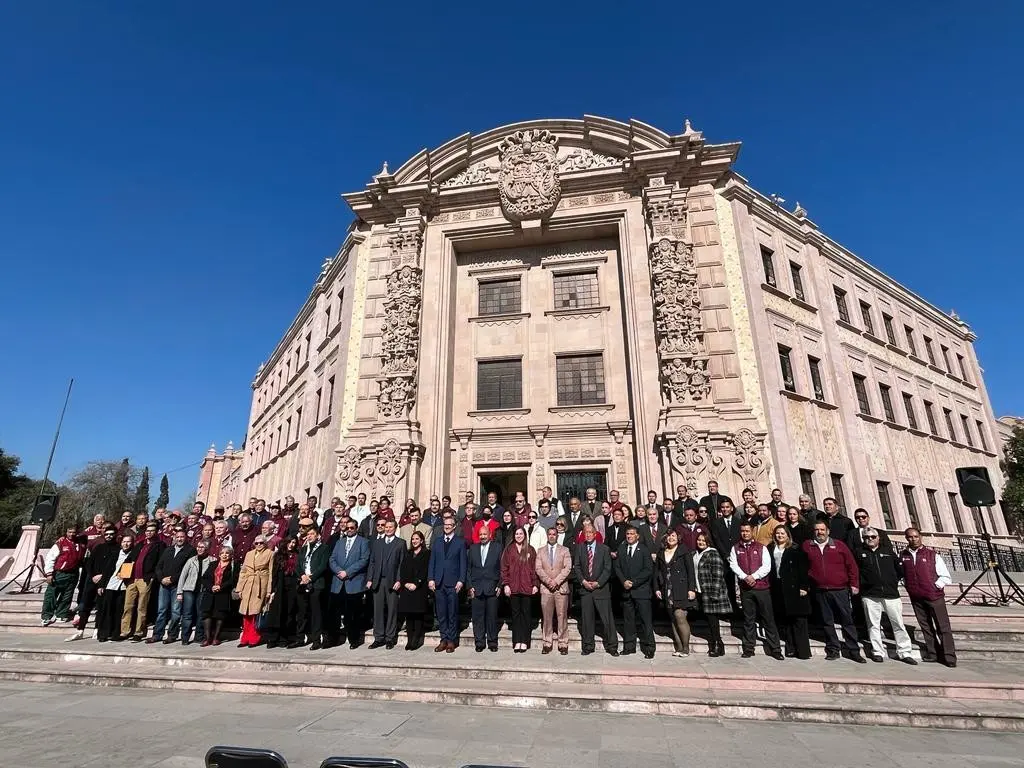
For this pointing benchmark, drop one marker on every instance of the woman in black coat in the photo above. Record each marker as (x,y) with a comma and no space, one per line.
(412,600)
(279,620)
(790,586)
(799,530)
(216,602)
(676,585)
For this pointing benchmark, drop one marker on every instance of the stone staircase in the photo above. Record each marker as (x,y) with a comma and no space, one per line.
(986,692)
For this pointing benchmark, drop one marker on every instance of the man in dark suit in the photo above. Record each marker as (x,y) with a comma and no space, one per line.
(592,568)
(634,569)
(383,580)
(725,533)
(615,534)
(483,575)
(652,531)
(168,571)
(348,562)
(313,566)
(855,538)
(713,501)
(683,501)
(446,576)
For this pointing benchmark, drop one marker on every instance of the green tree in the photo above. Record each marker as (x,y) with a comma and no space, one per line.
(1013,468)
(142,493)
(165,494)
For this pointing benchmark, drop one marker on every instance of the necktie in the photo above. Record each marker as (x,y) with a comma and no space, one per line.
(632,549)
(551,554)
(348,545)
(590,560)
(483,556)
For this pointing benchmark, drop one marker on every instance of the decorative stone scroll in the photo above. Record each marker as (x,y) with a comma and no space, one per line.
(400,332)
(478,173)
(677,304)
(748,457)
(583,159)
(373,470)
(528,177)
(700,456)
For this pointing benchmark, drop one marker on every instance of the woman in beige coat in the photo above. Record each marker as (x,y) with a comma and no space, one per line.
(253,588)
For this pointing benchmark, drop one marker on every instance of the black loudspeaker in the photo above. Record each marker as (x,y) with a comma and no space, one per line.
(975,487)
(45,509)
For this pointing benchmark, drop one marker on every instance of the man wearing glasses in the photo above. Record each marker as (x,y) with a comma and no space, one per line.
(880,574)
(855,539)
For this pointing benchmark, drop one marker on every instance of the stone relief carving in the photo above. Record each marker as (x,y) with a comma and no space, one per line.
(584,159)
(528,182)
(748,461)
(478,173)
(677,305)
(400,331)
(692,453)
(375,471)
(700,456)
(349,472)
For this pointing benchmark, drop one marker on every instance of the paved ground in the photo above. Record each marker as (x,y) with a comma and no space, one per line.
(73,726)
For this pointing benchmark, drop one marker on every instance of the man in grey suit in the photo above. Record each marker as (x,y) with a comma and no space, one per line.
(592,569)
(383,579)
(483,575)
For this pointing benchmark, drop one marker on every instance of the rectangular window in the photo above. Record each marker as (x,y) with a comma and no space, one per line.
(929,412)
(309,338)
(298,422)
(945,358)
(908,496)
(330,396)
(837,490)
(885,504)
(807,485)
(933,506)
(860,386)
(316,409)
(798,283)
(967,430)
(948,414)
(890,332)
(908,406)
(576,290)
(909,333)
(883,391)
(580,379)
(929,350)
(814,364)
(954,507)
(279,445)
(981,435)
(500,297)
(327,319)
(768,261)
(288,430)
(865,314)
(841,308)
(499,384)
(341,302)
(787,369)
(962,365)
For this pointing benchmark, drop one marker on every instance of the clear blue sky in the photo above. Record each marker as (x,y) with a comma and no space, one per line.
(170,172)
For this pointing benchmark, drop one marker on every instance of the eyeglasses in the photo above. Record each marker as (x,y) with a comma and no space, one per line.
(870,537)
(532,517)
(860,517)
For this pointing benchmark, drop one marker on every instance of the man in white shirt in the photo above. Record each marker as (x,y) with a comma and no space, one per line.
(926,576)
(751,563)
(361,510)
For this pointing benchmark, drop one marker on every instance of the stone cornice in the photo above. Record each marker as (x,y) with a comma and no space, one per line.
(803,230)
(352,240)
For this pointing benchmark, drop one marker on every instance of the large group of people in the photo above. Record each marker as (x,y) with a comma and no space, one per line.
(294,575)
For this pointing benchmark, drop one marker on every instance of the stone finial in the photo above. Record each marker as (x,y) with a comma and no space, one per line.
(383,171)
(955,316)
(688,128)
(230,448)
(800,212)
(211,451)
(777,200)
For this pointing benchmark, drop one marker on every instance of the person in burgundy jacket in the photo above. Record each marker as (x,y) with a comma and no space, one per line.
(244,537)
(690,529)
(752,565)
(60,567)
(835,577)
(520,584)
(925,576)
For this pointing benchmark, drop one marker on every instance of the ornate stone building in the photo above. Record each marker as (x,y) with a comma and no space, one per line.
(576,302)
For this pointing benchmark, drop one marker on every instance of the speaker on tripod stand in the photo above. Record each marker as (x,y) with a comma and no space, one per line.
(976,491)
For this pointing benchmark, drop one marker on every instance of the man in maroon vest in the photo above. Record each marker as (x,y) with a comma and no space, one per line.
(752,564)
(60,567)
(925,576)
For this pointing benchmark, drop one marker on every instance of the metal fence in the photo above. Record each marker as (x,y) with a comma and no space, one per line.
(971,554)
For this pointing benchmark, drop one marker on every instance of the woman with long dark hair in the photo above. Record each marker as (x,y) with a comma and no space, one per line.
(676,586)
(215,602)
(519,577)
(279,619)
(712,594)
(506,528)
(799,530)
(412,600)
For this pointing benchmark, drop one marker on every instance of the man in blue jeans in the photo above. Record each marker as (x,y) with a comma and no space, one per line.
(168,572)
(190,589)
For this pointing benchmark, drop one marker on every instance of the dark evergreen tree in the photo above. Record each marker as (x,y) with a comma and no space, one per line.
(165,494)
(142,493)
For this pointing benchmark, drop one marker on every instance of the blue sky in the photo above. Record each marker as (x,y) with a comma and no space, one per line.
(170,172)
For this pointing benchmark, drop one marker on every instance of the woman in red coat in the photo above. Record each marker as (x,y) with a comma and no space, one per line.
(519,576)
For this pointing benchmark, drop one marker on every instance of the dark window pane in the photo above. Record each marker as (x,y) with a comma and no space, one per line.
(909,333)
(863,404)
(500,297)
(841,308)
(886,403)
(865,314)
(499,384)
(580,379)
(908,406)
(908,496)
(578,290)
(768,261)
(885,504)
(798,283)
(807,484)
(933,506)
(890,332)
(787,369)
(815,365)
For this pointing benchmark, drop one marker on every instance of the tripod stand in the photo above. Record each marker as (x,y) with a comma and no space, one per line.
(30,536)
(1000,593)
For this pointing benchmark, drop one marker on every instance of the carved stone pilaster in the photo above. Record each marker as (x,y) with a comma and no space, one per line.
(697,456)
(400,341)
(683,361)
(376,469)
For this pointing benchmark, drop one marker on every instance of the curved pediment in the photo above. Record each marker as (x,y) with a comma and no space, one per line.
(593,142)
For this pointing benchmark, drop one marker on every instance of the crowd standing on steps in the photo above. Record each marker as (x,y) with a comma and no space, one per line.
(296,575)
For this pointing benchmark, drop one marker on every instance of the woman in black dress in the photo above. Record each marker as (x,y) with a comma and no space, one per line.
(677,586)
(279,620)
(216,601)
(790,587)
(412,601)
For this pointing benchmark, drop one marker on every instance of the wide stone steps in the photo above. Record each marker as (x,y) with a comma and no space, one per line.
(898,703)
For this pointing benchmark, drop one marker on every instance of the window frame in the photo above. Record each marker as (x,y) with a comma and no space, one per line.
(865,317)
(817,384)
(500,310)
(885,395)
(786,367)
(860,389)
(499,404)
(562,359)
(885,504)
(768,266)
(556,277)
(842,308)
(908,406)
(796,277)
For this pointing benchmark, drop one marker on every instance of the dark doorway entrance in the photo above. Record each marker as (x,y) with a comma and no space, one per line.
(504,485)
(576,483)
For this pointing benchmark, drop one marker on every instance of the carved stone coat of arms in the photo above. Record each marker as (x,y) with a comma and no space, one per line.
(528,179)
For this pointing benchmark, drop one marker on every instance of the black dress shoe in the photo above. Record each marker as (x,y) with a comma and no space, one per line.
(778,656)
(376,644)
(493,649)
(186,642)
(857,658)
(585,653)
(747,655)
(479,649)
(950,664)
(629,652)
(389,646)
(316,646)
(353,646)
(877,658)
(831,655)
(564,651)
(295,644)
(648,654)
(272,644)
(613,652)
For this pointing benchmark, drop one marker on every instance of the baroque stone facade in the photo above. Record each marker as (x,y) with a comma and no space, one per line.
(574,302)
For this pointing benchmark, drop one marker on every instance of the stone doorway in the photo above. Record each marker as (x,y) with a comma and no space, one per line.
(575,483)
(504,484)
